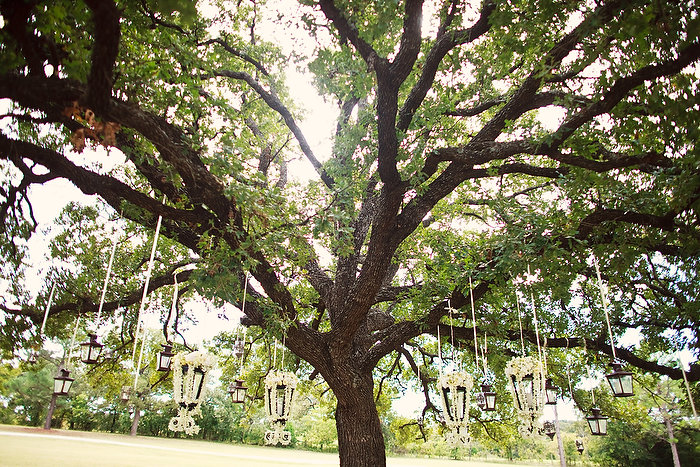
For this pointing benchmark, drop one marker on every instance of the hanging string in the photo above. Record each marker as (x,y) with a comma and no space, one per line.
(484,352)
(284,349)
(687,387)
(568,376)
(604,299)
(46,311)
(452,333)
(520,324)
(534,319)
(109,272)
(173,306)
(72,340)
(274,353)
(149,271)
(476,341)
(439,346)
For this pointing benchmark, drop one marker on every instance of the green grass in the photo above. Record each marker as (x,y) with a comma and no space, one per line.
(22,446)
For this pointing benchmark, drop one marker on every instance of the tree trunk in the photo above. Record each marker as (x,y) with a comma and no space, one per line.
(560,442)
(360,438)
(135,422)
(671,437)
(49,414)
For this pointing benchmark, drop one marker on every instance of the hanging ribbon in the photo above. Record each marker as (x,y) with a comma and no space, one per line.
(109,272)
(604,299)
(520,324)
(476,342)
(46,311)
(534,319)
(72,340)
(149,271)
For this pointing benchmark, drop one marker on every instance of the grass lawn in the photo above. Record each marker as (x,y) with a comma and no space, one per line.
(22,446)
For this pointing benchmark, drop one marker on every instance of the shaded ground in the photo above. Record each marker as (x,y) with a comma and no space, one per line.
(23,446)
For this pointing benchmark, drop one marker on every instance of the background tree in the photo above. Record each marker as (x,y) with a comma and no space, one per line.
(441,171)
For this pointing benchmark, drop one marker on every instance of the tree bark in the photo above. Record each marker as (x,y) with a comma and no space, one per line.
(49,414)
(135,422)
(671,437)
(360,438)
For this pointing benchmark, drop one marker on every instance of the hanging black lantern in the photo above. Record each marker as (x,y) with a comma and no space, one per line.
(239,347)
(165,357)
(32,357)
(550,392)
(549,429)
(579,446)
(125,393)
(486,399)
(90,351)
(597,423)
(524,392)
(620,381)
(237,391)
(62,382)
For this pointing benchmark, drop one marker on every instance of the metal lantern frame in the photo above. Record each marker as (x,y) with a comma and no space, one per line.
(526,379)
(486,399)
(550,392)
(239,347)
(549,429)
(597,423)
(190,376)
(237,391)
(62,382)
(90,350)
(455,393)
(165,357)
(125,393)
(621,381)
(280,388)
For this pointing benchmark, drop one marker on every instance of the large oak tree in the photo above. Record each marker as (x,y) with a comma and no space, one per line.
(474,141)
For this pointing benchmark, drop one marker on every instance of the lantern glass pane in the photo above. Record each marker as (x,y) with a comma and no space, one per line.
(528,390)
(460,409)
(626,384)
(280,397)
(490,401)
(198,383)
(615,383)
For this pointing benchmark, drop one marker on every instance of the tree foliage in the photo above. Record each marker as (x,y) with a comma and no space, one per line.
(477,144)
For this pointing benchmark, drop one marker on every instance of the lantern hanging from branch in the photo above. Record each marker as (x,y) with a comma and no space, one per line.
(91,349)
(237,391)
(32,358)
(165,357)
(239,347)
(486,399)
(597,423)
(579,446)
(549,429)
(190,376)
(550,392)
(620,381)
(455,392)
(125,393)
(62,382)
(526,383)
(280,387)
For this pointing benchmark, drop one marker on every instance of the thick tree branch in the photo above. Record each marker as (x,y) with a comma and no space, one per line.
(104,53)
